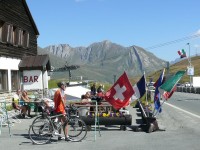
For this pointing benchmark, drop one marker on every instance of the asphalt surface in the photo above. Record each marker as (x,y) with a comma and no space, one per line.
(182,132)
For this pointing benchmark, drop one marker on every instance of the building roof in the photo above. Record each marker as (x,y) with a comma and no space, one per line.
(38,62)
(30,16)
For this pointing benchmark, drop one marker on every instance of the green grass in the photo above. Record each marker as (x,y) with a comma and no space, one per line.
(182,65)
(53,83)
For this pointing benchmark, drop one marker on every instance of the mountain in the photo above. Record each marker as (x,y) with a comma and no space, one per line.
(101,61)
(182,64)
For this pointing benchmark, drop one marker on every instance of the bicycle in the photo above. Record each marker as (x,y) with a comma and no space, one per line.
(44,127)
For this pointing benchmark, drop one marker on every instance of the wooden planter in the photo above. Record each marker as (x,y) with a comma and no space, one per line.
(123,120)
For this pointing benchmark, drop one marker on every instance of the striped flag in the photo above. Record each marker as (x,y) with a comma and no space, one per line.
(139,88)
(157,93)
(168,88)
(182,53)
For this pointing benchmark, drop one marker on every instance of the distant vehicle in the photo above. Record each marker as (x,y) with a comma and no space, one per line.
(150,86)
(187,84)
(150,83)
(179,84)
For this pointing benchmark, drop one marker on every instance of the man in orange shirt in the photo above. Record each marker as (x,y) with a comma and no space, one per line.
(59,104)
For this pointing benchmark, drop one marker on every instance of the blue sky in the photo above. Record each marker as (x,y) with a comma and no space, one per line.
(144,23)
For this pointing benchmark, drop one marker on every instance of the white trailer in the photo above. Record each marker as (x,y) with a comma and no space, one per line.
(196,81)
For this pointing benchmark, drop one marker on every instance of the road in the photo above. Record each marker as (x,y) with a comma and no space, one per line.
(182,132)
(187,101)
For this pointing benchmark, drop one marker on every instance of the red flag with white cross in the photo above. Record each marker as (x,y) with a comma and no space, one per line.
(120,93)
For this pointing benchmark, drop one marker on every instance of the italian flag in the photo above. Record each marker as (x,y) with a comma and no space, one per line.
(169,86)
(182,53)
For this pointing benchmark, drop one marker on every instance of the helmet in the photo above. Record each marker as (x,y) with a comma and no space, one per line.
(61,83)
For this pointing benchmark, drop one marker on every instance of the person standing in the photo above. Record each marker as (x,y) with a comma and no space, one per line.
(59,105)
(93,89)
(100,89)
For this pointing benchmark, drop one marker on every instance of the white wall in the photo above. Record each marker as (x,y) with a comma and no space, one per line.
(45,80)
(12,64)
(32,79)
(9,64)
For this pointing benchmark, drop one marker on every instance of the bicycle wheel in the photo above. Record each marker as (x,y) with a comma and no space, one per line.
(39,119)
(40,132)
(76,129)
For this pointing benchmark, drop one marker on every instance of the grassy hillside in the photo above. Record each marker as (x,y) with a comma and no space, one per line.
(182,65)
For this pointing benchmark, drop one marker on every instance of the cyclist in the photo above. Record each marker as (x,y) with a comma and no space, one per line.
(59,105)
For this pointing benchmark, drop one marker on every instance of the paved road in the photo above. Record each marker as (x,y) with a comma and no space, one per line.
(182,133)
(189,102)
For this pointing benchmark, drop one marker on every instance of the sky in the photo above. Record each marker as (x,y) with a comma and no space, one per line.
(161,27)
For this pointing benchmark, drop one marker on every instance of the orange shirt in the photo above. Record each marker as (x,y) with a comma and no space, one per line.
(58,102)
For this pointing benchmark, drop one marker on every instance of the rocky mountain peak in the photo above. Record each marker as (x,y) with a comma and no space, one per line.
(101,60)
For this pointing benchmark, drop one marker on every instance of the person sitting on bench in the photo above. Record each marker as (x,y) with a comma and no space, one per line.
(25,99)
(16,105)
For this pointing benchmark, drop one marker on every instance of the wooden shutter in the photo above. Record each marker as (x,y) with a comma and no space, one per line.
(10,34)
(1,28)
(4,32)
(25,39)
(20,35)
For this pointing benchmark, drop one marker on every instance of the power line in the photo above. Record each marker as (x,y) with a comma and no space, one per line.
(174,41)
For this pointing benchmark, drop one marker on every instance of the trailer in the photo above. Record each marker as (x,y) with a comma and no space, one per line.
(196,81)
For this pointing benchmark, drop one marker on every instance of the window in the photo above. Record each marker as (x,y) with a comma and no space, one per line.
(14,80)
(13,35)
(3,80)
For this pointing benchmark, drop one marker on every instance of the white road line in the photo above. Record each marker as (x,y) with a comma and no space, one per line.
(197,116)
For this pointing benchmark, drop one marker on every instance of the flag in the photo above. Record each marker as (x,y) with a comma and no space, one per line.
(139,88)
(155,84)
(168,88)
(167,95)
(157,93)
(182,53)
(120,93)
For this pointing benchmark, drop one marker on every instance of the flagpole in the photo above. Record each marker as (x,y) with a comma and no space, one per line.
(145,115)
(159,108)
(163,72)
(146,95)
(190,64)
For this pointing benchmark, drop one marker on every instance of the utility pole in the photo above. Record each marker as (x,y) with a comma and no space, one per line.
(190,65)
(114,77)
(167,68)
(67,68)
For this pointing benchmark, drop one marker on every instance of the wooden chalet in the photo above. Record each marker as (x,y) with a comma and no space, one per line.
(18,40)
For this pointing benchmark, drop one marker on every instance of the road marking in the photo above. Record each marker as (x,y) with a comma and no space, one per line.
(185,111)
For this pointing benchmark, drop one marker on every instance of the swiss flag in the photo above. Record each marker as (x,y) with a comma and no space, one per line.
(120,93)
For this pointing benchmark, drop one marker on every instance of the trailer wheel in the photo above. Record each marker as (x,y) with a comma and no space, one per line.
(123,127)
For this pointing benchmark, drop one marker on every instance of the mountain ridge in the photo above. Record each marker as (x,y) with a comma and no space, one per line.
(103,60)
